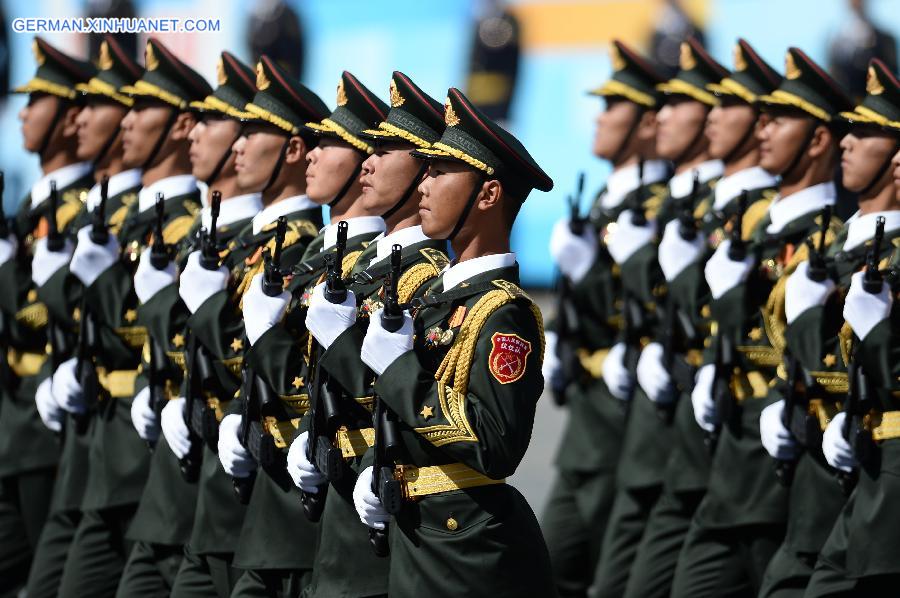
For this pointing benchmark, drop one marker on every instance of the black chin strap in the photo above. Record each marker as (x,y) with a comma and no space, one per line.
(690,146)
(218,169)
(631,131)
(470,203)
(810,133)
(170,122)
(276,170)
(408,193)
(349,183)
(885,165)
(61,107)
(733,153)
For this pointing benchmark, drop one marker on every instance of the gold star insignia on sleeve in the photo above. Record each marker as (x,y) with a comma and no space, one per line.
(178,340)
(755,334)
(829,360)
(427,411)
(32,296)
(130,315)
(237,344)
(76,314)
(298,382)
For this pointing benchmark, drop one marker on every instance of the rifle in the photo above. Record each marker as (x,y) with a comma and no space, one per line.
(209,249)
(566,314)
(272,286)
(55,241)
(323,404)
(159,251)
(639,217)
(387,436)
(4,222)
(818,271)
(99,230)
(159,259)
(687,226)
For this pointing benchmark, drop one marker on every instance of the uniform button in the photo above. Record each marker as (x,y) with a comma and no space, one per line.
(452,524)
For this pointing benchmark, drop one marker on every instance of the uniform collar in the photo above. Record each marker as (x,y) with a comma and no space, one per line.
(233,209)
(404,237)
(360,225)
(625,180)
(173,186)
(459,272)
(861,227)
(64,177)
(681,184)
(785,210)
(286,206)
(119,182)
(729,187)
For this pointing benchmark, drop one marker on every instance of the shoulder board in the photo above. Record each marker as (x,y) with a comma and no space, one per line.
(435,257)
(66,213)
(117,218)
(514,291)
(175,230)
(703,207)
(755,213)
(191,207)
(76,195)
(129,198)
(652,204)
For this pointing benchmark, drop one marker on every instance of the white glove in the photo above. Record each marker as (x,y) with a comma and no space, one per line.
(197,284)
(45,263)
(676,253)
(381,348)
(723,273)
(803,293)
(618,379)
(66,388)
(236,460)
(8,247)
(305,475)
(326,320)
(51,413)
(628,238)
(837,450)
(174,427)
(702,399)
(574,254)
(148,281)
(143,418)
(368,506)
(551,364)
(90,260)
(262,312)
(776,439)
(862,310)
(653,376)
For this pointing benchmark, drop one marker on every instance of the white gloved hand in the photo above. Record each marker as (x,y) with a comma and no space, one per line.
(236,460)
(776,439)
(837,450)
(148,281)
(628,238)
(573,254)
(676,253)
(326,320)
(723,273)
(66,388)
(702,398)
(51,413)
(90,260)
(262,312)
(8,248)
(618,379)
(381,348)
(305,475)
(653,376)
(803,293)
(174,427)
(197,284)
(367,504)
(45,263)
(143,418)
(551,365)
(862,310)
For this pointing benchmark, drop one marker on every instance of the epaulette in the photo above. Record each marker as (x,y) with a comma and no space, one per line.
(652,205)
(513,290)
(191,207)
(755,213)
(436,257)
(118,217)
(73,202)
(177,228)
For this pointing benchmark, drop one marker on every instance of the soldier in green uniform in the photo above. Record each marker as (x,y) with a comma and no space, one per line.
(345,562)
(582,495)
(206,568)
(732,128)
(649,431)
(28,450)
(155,137)
(856,557)
(740,521)
(462,379)
(280,557)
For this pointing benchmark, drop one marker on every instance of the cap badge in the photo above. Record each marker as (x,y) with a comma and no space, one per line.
(396,99)
(618,63)
(38,54)
(150,59)
(791,70)
(687,62)
(341,94)
(450,117)
(262,82)
(740,63)
(221,77)
(104,61)
(873,85)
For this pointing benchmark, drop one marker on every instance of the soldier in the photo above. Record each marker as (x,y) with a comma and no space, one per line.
(279,356)
(155,137)
(462,380)
(854,560)
(732,128)
(29,451)
(211,380)
(740,521)
(648,435)
(390,179)
(578,507)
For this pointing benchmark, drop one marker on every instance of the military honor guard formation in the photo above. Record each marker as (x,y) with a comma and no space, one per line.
(209,391)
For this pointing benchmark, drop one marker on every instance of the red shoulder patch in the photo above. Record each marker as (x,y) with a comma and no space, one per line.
(509,353)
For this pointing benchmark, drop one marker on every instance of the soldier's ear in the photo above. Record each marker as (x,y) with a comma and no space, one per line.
(823,142)
(69,126)
(183,126)
(646,129)
(296,150)
(491,195)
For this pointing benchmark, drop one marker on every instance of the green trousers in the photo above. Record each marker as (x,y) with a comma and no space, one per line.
(150,570)
(97,554)
(52,551)
(271,583)
(24,502)
(205,575)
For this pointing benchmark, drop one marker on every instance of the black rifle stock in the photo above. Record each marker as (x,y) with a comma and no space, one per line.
(209,247)
(159,251)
